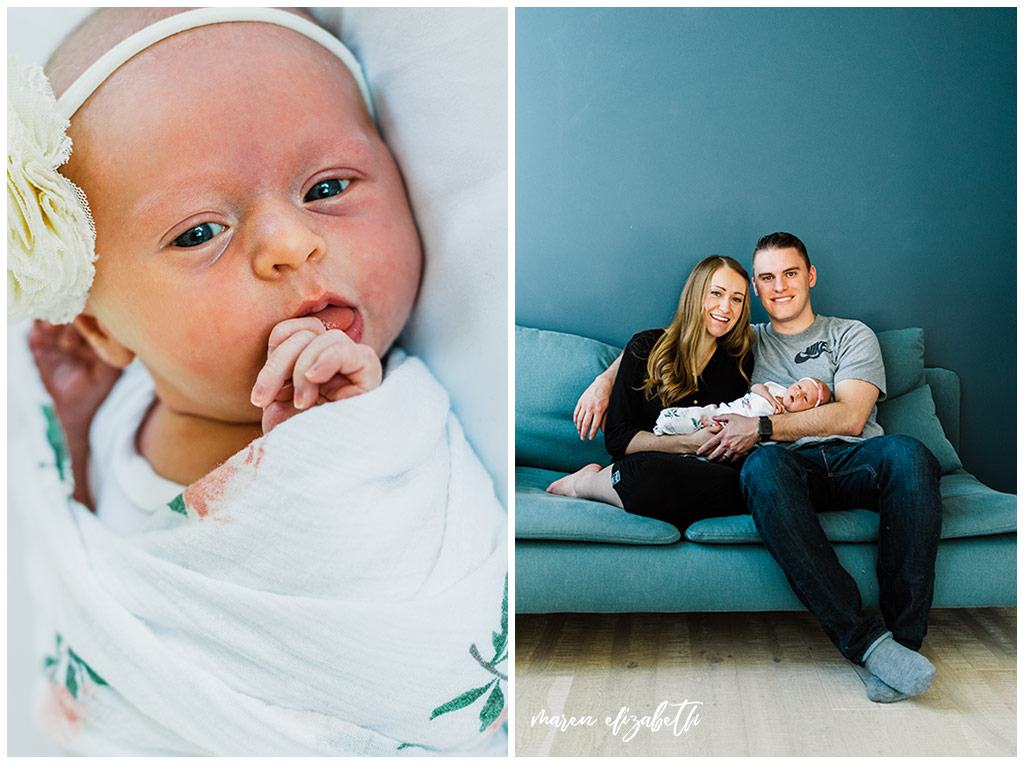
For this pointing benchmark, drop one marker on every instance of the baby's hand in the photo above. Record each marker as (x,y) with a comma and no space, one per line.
(307,365)
(762,390)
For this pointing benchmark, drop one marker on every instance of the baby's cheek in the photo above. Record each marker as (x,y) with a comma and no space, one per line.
(392,283)
(220,344)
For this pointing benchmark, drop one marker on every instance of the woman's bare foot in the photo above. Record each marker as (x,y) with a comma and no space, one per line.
(569,485)
(591,482)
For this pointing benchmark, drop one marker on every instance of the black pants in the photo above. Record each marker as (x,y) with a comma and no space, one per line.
(677,488)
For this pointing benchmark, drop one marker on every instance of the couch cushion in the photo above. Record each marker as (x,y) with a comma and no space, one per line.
(913,414)
(850,526)
(969,508)
(903,356)
(552,370)
(541,515)
(945,385)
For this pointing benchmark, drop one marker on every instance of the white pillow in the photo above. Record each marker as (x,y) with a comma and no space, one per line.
(440,82)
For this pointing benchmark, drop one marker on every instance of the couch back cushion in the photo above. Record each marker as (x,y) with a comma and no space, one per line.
(945,385)
(552,371)
(909,407)
(903,356)
(913,413)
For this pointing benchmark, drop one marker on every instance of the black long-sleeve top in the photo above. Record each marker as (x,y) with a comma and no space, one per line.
(630,411)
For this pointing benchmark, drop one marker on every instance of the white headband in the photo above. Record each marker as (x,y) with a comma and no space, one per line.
(817,384)
(50,234)
(113,59)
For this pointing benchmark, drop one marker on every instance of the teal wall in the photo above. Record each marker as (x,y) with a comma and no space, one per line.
(647,139)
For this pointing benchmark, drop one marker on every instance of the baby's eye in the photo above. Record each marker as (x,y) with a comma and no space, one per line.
(326,188)
(197,235)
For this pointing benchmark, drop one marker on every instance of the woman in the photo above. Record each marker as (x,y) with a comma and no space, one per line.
(703,357)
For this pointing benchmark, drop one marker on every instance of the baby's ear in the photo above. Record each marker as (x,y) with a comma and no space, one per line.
(102,341)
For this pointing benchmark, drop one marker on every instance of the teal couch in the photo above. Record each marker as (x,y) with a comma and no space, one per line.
(574,555)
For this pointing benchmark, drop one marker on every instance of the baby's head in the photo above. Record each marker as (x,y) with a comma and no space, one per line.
(236,180)
(806,393)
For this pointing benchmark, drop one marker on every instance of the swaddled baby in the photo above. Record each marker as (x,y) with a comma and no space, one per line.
(764,399)
(256,258)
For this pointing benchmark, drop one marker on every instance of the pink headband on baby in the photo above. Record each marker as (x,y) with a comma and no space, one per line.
(817,384)
(50,234)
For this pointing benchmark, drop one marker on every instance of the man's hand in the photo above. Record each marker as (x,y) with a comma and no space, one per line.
(591,408)
(737,437)
(307,365)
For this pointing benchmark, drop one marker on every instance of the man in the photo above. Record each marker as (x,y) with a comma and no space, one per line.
(829,458)
(836,457)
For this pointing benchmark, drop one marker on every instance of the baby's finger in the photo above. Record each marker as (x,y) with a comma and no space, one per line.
(291,326)
(307,387)
(358,364)
(329,356)
(286,393)
(323,356)
(278,368)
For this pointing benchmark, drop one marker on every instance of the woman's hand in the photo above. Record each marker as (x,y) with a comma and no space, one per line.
(78,381)
(672,444)
(307,365)
(591,408)
(588,415)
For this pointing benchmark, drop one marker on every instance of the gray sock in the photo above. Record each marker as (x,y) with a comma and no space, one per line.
(880,692)
(899,667)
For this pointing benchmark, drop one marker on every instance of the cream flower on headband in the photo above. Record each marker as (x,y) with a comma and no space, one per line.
(50,233)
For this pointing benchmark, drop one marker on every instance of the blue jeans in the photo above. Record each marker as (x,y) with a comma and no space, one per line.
(894,475)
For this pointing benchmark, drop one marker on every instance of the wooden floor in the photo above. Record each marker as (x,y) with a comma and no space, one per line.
(757,684)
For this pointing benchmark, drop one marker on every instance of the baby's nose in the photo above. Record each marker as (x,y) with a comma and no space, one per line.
(282,239)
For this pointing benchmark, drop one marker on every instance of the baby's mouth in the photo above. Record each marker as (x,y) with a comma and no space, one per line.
(344,318)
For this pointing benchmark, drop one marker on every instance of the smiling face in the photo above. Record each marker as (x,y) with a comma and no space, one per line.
(782,281)
(236,181)
(804,394)
(723,304)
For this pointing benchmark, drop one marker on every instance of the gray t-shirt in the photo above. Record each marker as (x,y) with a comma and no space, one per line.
(830,349)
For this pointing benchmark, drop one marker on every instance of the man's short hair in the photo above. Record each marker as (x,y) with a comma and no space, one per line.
(781,240)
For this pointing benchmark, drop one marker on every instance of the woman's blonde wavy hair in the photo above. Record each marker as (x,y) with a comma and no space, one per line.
(673,367)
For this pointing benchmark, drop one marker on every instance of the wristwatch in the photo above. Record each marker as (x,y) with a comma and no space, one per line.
(764,428)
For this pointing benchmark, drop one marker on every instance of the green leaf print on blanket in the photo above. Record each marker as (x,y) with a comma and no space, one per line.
(495,702)
(75,671)
(177,504)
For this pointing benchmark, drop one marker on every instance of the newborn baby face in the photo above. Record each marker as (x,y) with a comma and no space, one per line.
(236,181)
(803,395)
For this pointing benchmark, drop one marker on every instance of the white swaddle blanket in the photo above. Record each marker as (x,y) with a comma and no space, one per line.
(336,588)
